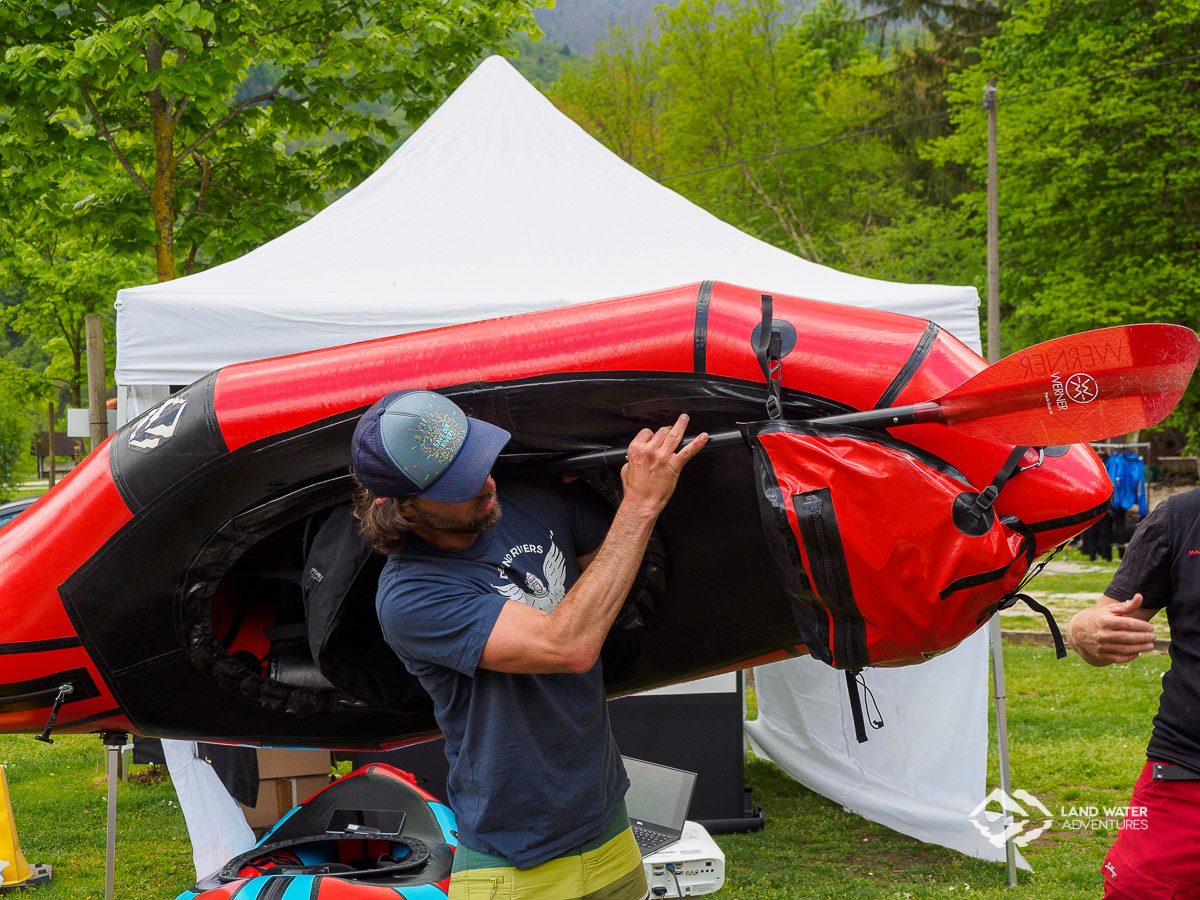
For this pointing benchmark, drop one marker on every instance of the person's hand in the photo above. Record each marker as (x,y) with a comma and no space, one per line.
(1111,631)
(655,462)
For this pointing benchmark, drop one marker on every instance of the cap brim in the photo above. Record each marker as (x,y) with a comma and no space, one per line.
(465,477)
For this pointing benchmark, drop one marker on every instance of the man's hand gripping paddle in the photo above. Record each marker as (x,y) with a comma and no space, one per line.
(1082,387)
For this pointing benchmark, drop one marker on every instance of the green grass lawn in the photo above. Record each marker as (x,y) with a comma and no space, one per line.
(1065,593)
(1077,736)
(59,795)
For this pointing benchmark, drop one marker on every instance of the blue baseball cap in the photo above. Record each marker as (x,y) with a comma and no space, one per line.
(420,444)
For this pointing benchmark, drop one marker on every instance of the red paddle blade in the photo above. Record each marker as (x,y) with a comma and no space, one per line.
(1083,387)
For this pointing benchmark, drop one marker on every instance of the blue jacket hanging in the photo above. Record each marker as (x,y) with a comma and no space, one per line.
(1128,474)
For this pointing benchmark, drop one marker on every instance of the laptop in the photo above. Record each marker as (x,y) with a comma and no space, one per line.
(658,802)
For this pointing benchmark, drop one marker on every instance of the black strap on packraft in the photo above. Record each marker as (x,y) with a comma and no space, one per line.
(769,350)
(973,513)
(855,680)
(980,507)
(1060,648)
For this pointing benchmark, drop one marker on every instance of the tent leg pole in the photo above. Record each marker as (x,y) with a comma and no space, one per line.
(993,355)
(1010,850)
(113,742)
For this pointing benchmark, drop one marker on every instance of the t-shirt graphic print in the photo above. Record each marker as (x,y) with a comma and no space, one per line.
(542,591)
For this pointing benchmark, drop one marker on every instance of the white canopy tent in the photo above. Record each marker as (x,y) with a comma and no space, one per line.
(499,204)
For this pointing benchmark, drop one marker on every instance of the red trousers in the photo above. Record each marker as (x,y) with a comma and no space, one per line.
(1157,852)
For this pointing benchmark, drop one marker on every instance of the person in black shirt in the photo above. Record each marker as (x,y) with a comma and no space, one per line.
(1157,851)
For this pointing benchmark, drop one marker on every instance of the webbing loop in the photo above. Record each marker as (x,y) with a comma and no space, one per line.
(769,350)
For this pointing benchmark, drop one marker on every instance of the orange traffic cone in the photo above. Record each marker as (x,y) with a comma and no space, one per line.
(15,872)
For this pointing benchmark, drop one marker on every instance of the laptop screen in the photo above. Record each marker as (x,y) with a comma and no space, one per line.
(658,794)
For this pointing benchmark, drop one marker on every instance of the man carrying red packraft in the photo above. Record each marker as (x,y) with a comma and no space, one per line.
(501,617)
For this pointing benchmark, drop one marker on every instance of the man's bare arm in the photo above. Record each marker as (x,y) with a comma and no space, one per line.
(1112,631)
(527,640)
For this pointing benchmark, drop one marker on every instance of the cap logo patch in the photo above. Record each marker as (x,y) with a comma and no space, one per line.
(440,436)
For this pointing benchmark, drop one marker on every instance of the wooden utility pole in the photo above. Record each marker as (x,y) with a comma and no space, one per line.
(993,355)
(993,227)
(97,383)
(50,443)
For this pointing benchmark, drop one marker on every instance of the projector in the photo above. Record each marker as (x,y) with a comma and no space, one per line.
(692,866)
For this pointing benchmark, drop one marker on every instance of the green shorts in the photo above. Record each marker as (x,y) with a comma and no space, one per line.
(608,867)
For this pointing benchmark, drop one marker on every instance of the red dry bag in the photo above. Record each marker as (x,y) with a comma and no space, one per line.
(888,554)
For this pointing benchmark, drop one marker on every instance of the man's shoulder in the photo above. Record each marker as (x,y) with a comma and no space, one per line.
(1186,503)
(414,573)
(1181,521)
(421,596)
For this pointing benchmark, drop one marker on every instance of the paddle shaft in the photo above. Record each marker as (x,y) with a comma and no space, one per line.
(1067,390)
(929,411)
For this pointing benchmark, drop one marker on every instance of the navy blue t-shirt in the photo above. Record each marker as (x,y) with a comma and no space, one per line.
(534,769)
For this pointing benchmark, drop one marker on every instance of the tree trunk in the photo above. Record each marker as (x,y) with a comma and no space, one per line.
(75,342)
(162,193)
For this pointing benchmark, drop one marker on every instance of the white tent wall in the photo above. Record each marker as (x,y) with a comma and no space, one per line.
(922,774)
(499,204)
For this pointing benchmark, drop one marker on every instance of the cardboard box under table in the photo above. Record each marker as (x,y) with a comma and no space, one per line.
(285,778)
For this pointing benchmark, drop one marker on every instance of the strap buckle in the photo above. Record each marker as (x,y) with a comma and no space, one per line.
(1041,452)
(63,689)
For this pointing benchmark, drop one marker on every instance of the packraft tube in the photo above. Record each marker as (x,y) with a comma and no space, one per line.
(198,576)
(371,835)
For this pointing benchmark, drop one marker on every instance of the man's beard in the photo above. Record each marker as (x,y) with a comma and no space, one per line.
(475,523)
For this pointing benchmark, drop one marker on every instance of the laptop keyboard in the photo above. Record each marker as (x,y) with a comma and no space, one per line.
(648,841)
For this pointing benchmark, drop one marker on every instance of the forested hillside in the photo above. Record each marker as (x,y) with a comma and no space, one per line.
(581,24)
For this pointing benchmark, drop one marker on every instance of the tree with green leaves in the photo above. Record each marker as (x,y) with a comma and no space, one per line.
(930,41)
(63,258)
(744,84)
(1100,188)
(1099,181)
(16,428)
(200,104)
(64,279)
(748,110)
(614,94)
(24,387)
